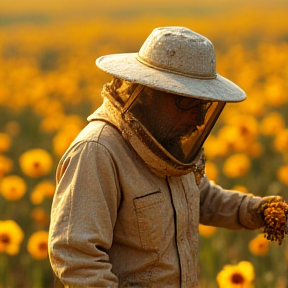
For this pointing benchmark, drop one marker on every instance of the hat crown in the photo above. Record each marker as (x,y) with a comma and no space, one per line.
(179,50)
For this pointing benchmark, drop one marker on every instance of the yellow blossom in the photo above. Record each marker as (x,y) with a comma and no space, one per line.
(274,92)
(206,231)
(254,149)
(62,140)
(37,245)
(211,170)
(281,141)
(282,174)
(236,165)
(240,188)
(272,124)
(259,245)
(11,236)
(5,142)
(39,216)
(41,190)
(254,104)
(6,165)
(36,162)
(246,125)
(230,135)
(12,187)
(51,123)
(240,134)
(215,147)
(70,128)
(236,276)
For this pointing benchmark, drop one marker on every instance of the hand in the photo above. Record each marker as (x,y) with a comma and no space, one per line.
(253,217)
(259,207)
(274,211)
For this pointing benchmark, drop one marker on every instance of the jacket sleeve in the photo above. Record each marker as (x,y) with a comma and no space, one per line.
(227,208)
(83,215)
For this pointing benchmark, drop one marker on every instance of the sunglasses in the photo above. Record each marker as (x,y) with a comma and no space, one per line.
(186,103)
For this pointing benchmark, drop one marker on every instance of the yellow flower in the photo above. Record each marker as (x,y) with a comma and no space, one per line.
(274,92)
(240,188)
(36,162)
(37,245)
(39,216)
(259,245)
(281,141)
(206,231)
(62,140)
(236,276)
(272,124)
(211,170)
(11,236)
(254,104)
(236,165)
(230,135)
(254,149)
(246,125)
(5,142)
(12,187)
(282,174)
(70,128)
(51,123)
(41,190)
(6,165)
(215,147)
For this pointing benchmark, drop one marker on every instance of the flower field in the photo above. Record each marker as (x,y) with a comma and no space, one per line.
(49,84)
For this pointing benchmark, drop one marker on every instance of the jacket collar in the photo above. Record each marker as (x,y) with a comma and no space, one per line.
(158,160)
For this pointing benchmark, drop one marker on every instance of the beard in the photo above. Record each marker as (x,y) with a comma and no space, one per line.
(172,141)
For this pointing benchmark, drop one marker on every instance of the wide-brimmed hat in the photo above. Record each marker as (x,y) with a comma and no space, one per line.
(175,60)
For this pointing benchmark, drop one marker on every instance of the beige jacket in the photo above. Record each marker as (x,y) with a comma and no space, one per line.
(116,224)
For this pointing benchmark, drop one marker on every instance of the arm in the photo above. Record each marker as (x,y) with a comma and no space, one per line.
(228,209)
(83,215)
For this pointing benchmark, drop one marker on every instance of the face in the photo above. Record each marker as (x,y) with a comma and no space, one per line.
(170,118)
(173,115)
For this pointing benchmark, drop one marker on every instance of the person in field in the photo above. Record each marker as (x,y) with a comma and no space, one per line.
(131,188)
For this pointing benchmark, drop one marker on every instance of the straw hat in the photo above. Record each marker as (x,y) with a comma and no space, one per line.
(175,60)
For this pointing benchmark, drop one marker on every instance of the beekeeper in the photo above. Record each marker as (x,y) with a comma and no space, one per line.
(131,189)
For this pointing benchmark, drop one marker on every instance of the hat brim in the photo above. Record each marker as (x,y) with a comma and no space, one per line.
(127,67)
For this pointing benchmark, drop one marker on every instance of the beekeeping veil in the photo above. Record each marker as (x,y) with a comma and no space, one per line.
(175,66)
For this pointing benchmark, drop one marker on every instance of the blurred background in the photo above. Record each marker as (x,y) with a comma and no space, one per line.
(49,84)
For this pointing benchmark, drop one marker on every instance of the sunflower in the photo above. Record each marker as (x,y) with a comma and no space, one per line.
(211,170)
(43,189)
(272,124)
(236,276)
(259,245)
(6,165)
(11,236)
(39,216)
(12,187)
(5,142)
(206,231)
(36,162)
(37,245)
(282,173)
(236,165)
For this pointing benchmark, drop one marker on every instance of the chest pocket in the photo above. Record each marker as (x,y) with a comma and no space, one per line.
(154,214)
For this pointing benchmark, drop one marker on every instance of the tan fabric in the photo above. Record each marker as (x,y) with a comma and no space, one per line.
(116,224)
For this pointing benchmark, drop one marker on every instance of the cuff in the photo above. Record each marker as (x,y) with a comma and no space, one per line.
(248,215)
